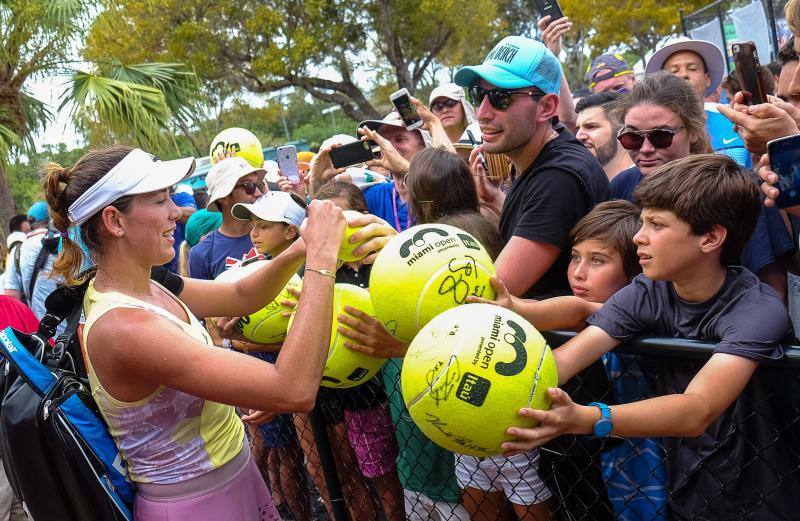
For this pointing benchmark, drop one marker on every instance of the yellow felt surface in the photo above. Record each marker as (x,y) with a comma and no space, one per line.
(469,371)
(425,270)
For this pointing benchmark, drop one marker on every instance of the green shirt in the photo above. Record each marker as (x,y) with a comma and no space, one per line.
(422,465)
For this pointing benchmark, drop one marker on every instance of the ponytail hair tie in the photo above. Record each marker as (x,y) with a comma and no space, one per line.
(64,235)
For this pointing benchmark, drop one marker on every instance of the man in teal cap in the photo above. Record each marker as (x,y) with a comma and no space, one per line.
(38,216)
(555,182)
(556,179)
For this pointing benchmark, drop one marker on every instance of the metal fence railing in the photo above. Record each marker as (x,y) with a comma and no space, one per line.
(358,455)
(719,12)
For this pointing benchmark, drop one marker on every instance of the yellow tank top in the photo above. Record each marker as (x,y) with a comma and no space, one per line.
(169,436)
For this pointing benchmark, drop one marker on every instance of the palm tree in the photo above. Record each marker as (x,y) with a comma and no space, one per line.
(39,38)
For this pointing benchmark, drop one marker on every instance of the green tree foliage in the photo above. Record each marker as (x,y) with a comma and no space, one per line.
(23,176)
(36,38)
(267,46)
(635,25)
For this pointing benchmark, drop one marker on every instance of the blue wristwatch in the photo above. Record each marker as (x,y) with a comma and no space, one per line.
(603,426)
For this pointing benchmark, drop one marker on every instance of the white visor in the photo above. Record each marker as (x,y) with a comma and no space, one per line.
(137,173)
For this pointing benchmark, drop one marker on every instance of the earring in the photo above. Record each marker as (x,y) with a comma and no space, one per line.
(120,233)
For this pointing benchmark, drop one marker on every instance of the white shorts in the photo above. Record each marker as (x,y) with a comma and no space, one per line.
(516,477)
(420,507)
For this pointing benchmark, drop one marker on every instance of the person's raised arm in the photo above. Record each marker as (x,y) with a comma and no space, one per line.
(523,262)
(721,380)
(210,298)
(321,170)
(566,312)
(758,124)
(432,124)
(552,36)
(152,350)
(390,158)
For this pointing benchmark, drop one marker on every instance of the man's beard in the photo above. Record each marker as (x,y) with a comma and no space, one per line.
(607,152)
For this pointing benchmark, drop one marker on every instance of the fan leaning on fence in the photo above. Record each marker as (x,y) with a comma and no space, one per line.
(159,383)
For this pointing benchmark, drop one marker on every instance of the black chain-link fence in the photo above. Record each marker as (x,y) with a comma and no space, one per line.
(359,456)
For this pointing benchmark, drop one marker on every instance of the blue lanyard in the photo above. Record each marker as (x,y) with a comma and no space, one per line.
(396,215)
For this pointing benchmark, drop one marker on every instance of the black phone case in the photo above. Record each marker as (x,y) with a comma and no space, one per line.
(551,8)
(352,154)
(748,72)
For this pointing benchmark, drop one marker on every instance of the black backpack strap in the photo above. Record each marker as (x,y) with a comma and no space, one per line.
(54,357)
(61,304)
(17,247)
(47,250)
(174,283)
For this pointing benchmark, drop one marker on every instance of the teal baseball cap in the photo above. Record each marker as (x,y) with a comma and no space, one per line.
(514,63)
(38,212)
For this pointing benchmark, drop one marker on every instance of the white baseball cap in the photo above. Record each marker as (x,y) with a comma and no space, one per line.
(276,207)
(137,173)
(223,176)
(710,53)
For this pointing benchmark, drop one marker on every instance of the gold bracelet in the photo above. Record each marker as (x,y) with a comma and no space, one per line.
(326,273)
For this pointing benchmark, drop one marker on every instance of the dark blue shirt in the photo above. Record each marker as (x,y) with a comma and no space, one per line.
(379,202)
(216,252)
(744,465)
(770,239)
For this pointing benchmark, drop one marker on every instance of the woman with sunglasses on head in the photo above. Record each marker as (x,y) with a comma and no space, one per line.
(166,393)
(449,104)
(663,120)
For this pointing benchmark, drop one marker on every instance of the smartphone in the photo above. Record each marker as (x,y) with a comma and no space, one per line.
(784,159)
(748,72)
(287,162)
(353,153)
(551,8)
(402,102)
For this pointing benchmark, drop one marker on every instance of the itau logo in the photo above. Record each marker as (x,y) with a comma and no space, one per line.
(473,389)
(469,242)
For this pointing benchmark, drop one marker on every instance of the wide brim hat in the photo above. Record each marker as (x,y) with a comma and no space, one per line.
(709,52)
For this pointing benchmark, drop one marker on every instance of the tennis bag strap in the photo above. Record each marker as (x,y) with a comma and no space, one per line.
(59,456)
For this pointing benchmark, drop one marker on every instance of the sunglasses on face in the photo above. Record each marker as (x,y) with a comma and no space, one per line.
(439,106)
(500,99)
(658,137)
(250,187)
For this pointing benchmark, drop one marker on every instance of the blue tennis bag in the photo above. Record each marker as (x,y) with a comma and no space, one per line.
(59,457)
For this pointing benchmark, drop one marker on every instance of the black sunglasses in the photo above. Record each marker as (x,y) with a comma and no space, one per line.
(440,105)
(250,187)
(500,99)
(658,137)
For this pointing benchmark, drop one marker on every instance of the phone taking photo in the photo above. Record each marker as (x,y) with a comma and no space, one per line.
(784,160)
(749,73)
(287,162)
(402,102)
(353,153)
(549,8)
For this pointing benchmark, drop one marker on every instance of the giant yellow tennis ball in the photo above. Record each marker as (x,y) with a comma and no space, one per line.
(346,249)
(241,141)
(425,270)
(469,371)
(345,367)
(267,325)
